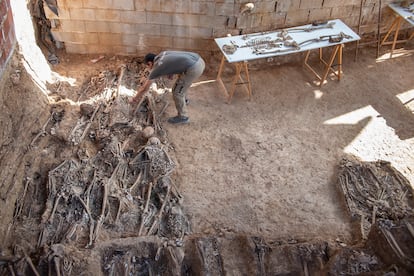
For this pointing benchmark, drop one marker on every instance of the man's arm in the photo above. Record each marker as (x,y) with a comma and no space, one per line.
(141,91)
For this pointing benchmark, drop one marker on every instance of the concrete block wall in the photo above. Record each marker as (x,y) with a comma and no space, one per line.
(7,35)
(135,27)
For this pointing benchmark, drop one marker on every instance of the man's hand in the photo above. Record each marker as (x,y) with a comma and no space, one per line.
(137,97)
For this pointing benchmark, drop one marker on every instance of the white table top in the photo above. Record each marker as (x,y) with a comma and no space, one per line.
(256,46)
(406,13)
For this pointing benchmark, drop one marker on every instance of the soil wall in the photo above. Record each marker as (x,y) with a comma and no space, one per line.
(7,35)
(23,110)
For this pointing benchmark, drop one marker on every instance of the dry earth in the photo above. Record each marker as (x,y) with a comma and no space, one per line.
(268,166)
(265,167)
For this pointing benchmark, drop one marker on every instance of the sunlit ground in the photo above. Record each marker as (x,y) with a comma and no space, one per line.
(397,53)
(377,141)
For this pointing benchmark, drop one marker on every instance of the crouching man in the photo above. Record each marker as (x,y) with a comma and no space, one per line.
(188,66)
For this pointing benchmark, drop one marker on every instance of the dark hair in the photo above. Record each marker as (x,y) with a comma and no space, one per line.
(149,57)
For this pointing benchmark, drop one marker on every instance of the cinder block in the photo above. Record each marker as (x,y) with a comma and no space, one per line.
(225,32)
(153,5)
(186,31)
(122,28)
(140,5)
(99,49)
(369,14)
(202,8)
(182,6)
(320,14)
(149,29)
(110,38)
(274,20)
(159,18)
(74,37)
(85,38)
(73,26)
(82,14)
(297,17)
(157,41)
(124,50)
(193,44)
(177,6)
(75,48)
(286,5)
(109,15)
(226,9)
(131,39)
(186,20)
(77,4)
(110,4)
(249,21)
(343,11)
(133,17)
(264,7)
(201,32)
(96,26)
(311,4)
(351,21)
(218,21)
(167,6)
(123,5)
(340,3)
(178,31)
(368,29)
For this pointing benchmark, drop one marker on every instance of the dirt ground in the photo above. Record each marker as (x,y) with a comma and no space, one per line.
(268,166)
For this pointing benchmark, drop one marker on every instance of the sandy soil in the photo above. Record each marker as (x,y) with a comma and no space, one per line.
(268,166)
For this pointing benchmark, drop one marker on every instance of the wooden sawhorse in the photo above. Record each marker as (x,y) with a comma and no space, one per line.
(395,26)
(336,54)
(240,66)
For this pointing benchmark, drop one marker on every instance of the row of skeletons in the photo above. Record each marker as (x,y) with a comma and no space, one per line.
(124,190)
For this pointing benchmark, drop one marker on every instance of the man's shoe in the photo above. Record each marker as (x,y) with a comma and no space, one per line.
(179,120)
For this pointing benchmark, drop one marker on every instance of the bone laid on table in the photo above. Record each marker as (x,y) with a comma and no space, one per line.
(239,50)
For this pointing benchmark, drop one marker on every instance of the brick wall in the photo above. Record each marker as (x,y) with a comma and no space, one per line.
(138,26)
(7,36)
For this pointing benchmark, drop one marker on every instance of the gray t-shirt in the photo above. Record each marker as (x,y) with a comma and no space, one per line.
(172,62)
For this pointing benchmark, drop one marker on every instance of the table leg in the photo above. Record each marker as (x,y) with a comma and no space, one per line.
(389,31)
(239,67)
(234,82)
(397,29)
(341,47)
(396,24)
(246,71)
(337,52)
(310,67)
(329,64)
(219,76)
